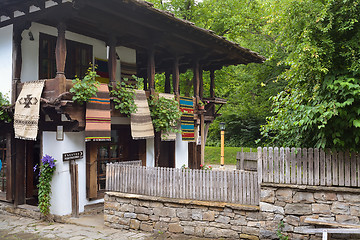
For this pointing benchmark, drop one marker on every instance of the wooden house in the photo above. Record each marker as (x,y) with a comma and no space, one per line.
(54,40)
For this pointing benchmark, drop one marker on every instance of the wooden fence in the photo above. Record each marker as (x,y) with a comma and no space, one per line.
(246,160)
(308,167)
(208,185)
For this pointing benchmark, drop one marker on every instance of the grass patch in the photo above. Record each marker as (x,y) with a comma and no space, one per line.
(212,155)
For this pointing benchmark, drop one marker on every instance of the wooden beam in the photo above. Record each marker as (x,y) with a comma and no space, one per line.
(112,59)
(60,54)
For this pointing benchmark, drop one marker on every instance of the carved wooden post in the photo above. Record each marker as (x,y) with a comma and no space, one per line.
(112,60)
(60,54)
(17,62)
(196,80)
(176,76)
(167,82)
(151,69)
(212,83)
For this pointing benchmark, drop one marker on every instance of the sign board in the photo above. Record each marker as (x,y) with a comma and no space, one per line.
(73,155)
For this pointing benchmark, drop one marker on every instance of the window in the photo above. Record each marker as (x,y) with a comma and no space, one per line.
(78,57)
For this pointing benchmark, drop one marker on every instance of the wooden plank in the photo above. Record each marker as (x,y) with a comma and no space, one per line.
(341,169)
(330,223)
(259,165)
(335,168)
(293,165)
(298,166)
(287,165)
(276,165)
(311,166)
(225,185)
(265,165)
(353,170)
(328,168)
(271,165)
(347,168)
(316,167)
(282,165)
(252,189)
(322,161)
(305,166)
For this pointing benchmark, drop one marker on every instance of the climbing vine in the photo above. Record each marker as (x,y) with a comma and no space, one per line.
(46,172)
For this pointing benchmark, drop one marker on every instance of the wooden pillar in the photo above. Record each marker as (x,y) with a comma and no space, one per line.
(167,82)
(201,83)
(17,62)
(176,76)
(151,69)
(202,136)
(212,83)
(60,54)
(145,83)
(112,59)
(196,80)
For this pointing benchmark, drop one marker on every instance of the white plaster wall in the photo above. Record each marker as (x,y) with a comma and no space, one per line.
(30,50)
(181,152)
(6,34)
(60,185)
(150,152)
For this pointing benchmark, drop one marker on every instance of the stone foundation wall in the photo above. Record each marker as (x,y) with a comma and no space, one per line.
(198,218)
(292,204)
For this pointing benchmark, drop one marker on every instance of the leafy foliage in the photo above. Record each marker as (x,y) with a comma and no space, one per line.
(4,114)
(320,105)
(165,114)
(123,97)
(46,172)
(85,88)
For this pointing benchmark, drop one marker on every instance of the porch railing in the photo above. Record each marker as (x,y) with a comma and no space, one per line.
(207,185)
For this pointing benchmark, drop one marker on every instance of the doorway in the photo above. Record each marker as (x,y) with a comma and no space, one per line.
(32,151)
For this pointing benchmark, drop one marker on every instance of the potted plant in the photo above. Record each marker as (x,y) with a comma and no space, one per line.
(201,105)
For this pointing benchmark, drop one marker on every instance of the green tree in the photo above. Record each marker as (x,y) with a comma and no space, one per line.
(320,105)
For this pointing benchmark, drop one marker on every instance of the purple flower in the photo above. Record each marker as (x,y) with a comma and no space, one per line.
(48,160)
(35,167)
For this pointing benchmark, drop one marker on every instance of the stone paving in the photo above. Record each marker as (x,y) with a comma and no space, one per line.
(15,227)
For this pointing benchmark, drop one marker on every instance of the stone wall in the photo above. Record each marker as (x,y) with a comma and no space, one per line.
(292,204)
(198,218)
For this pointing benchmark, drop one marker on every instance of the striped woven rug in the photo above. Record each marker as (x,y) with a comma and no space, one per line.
(187,118)
(141,123)
(98,119)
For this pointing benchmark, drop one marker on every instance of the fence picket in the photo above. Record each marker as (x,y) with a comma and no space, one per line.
(298,166)
(271,165)
(347,168)
(265,165)
(276,165)
(353,169)
(282,165)
(322,161)
(311,166)
(287,165)
(328,167)
(341,169)
(335,168)
(293,165)
(358,169)
(305,166)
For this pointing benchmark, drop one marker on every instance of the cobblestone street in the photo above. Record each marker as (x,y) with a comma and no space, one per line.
(16,228)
